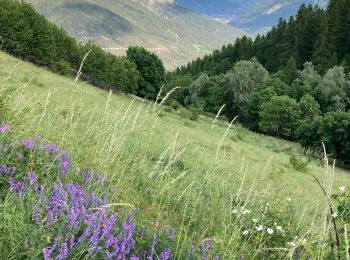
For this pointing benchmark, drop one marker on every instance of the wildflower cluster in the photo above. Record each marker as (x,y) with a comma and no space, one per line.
(74,218)
(270,226)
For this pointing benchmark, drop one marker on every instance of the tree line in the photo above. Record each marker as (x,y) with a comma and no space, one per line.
(31,37)
(313,34)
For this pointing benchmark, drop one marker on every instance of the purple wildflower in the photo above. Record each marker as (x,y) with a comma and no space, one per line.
(191,251)
(31,179)
(171,235)
(216,257)
(141,233)
(72,242)
(63,162)
(4,128)
(4,169)
(209,246)
(28,143)
(63,252)
(35,215)
(46,253)
(20,156)
(73,215)
(165,255)
(16,186)
(50,148)
(109,226)
(201,250)
(133,257)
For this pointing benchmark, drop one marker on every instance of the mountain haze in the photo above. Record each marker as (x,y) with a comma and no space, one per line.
(176,34)
(254,16)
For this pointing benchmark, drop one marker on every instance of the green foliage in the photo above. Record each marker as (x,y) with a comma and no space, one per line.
(245,78)
(258,98)
(280,117)
(195,89)
(311,35)
(27,35)
(63,68)
(309,108)
(298,163)
(151,71)
(334,90)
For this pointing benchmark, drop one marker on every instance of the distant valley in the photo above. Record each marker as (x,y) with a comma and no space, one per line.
(254,16)
(173,32)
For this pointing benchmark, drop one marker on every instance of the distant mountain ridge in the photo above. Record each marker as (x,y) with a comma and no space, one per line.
(254,16)
(173,32)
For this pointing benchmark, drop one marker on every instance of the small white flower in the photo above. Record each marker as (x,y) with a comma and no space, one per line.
(270,231)
(234,211)
(304,241)
(289,199)
(334,215)
(246,211)
(279,228)
(275,223)
(255,220)
(259,228)
(268,204)
(246,232)
(342,189)
(291,244)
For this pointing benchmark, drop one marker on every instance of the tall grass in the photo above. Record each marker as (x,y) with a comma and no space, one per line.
(172,175)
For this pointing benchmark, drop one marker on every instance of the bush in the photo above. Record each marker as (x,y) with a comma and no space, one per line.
(63,68)
(175,104)
(298,163)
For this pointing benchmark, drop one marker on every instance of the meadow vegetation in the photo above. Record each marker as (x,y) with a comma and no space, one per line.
(217,190)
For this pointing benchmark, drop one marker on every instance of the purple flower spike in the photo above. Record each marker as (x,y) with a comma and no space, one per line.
(191,251)
(63,162)
(20,156)
(63,252)
(46,253)
(4,128)
(28,143)
(165,255)
(209,246)
(35,215)
(171,235)
(15,186)
(134,258)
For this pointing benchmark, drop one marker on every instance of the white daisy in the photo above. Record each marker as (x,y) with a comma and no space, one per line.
(342,189)
(246,232)
(259,228)
(270,231)
(246,211)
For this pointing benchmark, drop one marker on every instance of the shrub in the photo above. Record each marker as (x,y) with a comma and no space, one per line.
(298,163)
(63,68)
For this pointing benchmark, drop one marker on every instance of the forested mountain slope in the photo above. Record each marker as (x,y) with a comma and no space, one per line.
(176,34)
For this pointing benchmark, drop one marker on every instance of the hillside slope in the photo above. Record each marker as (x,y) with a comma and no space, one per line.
(175,172)
(176,34)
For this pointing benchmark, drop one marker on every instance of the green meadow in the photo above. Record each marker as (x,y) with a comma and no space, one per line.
(191,175)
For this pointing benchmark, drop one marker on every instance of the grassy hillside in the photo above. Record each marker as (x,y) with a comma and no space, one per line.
(176,34)
(176,172)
